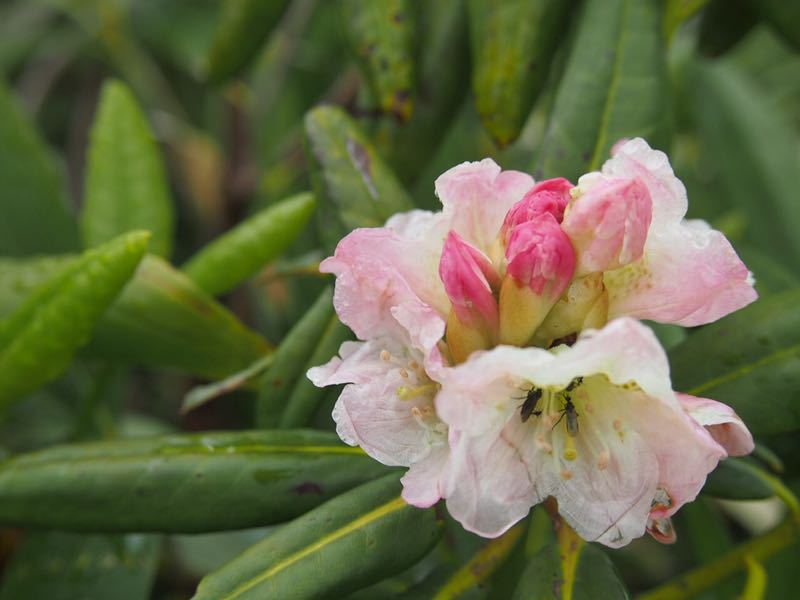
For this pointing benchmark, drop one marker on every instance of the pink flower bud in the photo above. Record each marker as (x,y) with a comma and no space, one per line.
(469,278)
(608,222)
(540,256)
(548,196)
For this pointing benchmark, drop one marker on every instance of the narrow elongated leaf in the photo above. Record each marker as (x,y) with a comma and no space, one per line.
(353,186)
(161,319)
(62,566)
(35,216)
(570,569)
(380,34)
(179,483)
(290,360)
(513,45)
(754,150)
(615,86)
(40,337)
(242,27)
(306,397)
(749,360)
(126,185)
(347,543)
(242,251)
(164,320)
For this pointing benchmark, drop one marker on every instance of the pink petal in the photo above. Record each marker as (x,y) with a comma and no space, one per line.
(379,269)
(722,423)
(690,275)
(540,256)
(421,483)
(487,487)
(608,222)
(476,197)
(635,159)
(548,196)
(468,277)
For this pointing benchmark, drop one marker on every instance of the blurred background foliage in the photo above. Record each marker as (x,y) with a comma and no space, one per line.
(247,137)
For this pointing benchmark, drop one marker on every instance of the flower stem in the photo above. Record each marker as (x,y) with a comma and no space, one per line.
(702,578)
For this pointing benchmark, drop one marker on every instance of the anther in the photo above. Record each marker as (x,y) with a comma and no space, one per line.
(570,452)
(385,356)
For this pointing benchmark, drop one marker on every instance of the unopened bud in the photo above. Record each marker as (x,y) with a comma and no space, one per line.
(608,222)
(548,196)
(541,263)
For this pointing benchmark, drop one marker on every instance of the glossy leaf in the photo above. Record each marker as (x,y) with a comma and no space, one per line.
(290,360)
(753,148)
(240,252)
(160,320)
(63,566)
(35,216)
(513,46)
(40,337)
(353,185)
(242,27)
(570,569)
(180,483)
(380,34)
(615,86)
(306,397)
(126,185)
(749,360)
(737,479)
(347,543)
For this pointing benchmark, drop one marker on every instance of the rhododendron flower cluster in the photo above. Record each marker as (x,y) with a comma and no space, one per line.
(500,357)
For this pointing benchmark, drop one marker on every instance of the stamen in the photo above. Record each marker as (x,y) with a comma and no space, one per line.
(570,452)
(403,373)
(385,356)
(405,392)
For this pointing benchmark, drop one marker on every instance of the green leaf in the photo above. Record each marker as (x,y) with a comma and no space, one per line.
(749,360)
(754,149)
(771,276)
(354,186)
(40,337)
(62,566)
(570,569)
(161,319)
(783,16)
(242,27)
(180,483)
(513,46)
(202,394)
(380,34)
(615,86)
(35,216)
(240,252)
(306,397)
(126,185)
(290,360)
(737,479)
(164,320)
(354,540)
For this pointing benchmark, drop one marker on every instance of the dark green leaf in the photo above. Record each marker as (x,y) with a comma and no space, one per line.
(615,86)
(754,150)
(180,483)
(737,479)
(783,16)
(513,46)
(248,247)
(35,216)
(40,337)
(771,276)
(724,24)
(290,360)
(126,186)
(306,397)
(347,543)
(380,34)
(242,27)
(352,184)
(62,566)
(160,320)
(749,360)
